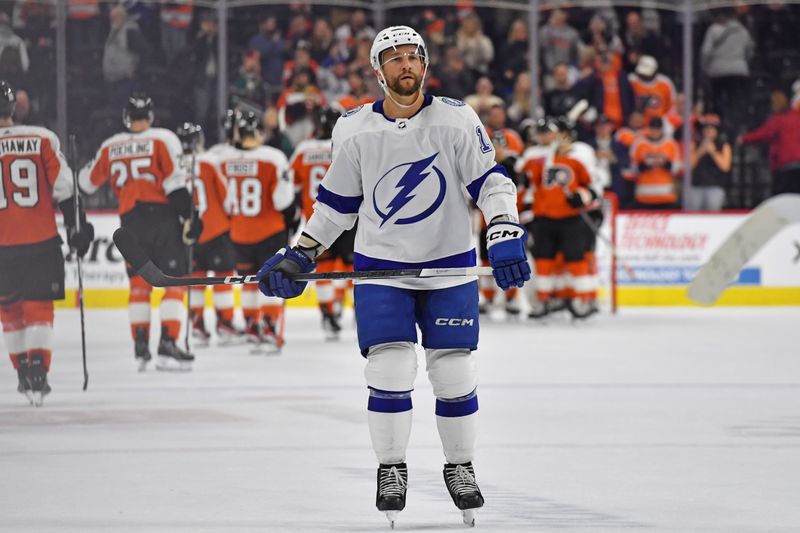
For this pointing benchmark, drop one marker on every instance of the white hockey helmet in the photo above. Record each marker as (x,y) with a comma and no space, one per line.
(392,37)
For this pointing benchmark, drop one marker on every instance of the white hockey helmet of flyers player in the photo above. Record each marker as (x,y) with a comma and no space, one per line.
(392,37)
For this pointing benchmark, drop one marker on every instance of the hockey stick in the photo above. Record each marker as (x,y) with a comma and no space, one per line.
(758,228)
(190,252)
(73,150)
(143,266)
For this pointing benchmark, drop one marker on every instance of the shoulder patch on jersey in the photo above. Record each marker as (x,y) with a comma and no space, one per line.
(453,102)
(352,111)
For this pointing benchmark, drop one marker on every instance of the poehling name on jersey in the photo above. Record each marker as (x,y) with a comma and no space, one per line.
(130,149)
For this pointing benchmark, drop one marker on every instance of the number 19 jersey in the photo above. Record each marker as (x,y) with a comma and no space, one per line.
(141,167)
(33,174)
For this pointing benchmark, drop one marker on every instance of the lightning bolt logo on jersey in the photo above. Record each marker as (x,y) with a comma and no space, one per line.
(415,196)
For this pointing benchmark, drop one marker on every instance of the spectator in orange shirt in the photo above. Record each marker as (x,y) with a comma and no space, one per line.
(655,93)
(657,159)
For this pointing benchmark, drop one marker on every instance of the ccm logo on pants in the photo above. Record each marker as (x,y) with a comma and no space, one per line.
(455,321)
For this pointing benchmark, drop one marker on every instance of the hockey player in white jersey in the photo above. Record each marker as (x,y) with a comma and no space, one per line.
(400,166)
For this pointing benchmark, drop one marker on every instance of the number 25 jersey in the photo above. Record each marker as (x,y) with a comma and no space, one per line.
(141,167)
(33,174)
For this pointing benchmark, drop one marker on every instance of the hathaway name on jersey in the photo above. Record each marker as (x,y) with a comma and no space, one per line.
(407,181)
(20,146)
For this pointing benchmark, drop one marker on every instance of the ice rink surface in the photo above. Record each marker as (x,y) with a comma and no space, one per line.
(673,420)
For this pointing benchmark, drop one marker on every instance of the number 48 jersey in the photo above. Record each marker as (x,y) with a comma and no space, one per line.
(259,188)
(141,167)
(33,174)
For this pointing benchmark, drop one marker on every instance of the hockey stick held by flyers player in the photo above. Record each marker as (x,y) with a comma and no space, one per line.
(143,266)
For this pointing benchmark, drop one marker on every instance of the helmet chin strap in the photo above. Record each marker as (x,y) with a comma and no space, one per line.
(388,92)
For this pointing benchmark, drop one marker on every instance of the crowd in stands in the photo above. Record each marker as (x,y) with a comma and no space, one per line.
(286,60)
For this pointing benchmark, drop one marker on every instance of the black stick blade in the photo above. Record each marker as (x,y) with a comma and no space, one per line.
(130,249)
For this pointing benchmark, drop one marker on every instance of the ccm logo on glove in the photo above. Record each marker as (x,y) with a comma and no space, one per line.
(504,234)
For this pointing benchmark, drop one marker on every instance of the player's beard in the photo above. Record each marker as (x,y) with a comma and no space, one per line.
(396,85)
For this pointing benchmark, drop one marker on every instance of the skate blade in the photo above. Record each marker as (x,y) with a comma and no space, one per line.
(391,516)
(200,343)
(168,364)
(265,349)
(141,364)
(29,395)
(469,516)
(231,341)
(37,399)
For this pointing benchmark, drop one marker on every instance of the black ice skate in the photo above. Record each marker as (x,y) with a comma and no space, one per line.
(227,334)
(582,309)
(200,334)
(142,349)
(37,377)
(512,306)
(264,336)
(461,484)
(331,326)
(539,309)
(392,485)
(171,357)
(24,386)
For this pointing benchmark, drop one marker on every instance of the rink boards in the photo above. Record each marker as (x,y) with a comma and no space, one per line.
(661,253)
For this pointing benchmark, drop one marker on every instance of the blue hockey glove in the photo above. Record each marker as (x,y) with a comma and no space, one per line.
(506,244)
(272,280)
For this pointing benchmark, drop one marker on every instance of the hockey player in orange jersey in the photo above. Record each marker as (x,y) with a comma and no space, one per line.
(260,196)
(214,250)
(561,188)
(308,166)
(508,147)
(33,175)
(142,165)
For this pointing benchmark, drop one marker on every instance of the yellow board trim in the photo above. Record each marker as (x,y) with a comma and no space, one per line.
(733,296)
(118,298)
(626,296)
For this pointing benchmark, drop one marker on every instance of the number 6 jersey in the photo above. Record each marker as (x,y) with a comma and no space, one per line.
(33,173)
(141,167)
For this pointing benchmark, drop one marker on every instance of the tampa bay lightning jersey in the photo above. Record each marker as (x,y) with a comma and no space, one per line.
(407,181)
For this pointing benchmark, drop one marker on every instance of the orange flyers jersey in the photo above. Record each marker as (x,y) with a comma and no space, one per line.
(655,96)
(140,167)
(656,184)
(507,139)
(526,190)
(210,191)
(307,167)
(33,174)
(550,178)
(259,188)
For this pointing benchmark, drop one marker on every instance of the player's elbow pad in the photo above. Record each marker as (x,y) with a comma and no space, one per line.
(181,203)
